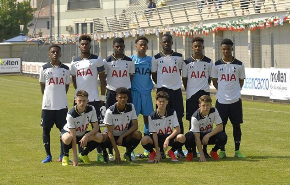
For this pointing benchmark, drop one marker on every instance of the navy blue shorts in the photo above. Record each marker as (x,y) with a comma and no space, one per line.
(51,117)
(233,111)
(175,100)
(192,104)
(161,139)
(111,98)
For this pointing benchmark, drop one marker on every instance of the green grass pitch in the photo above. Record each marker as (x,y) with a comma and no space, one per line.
(265,143)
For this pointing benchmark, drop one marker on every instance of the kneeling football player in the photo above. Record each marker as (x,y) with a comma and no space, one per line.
(122,125)
(75,130)
(164,130)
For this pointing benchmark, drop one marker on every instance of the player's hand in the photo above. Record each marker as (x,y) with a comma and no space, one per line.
(117,157)
(158,157)
(84,141)
(75,161)
(202,158)
(165,144)
(102,103)
(205,140)
(119,141)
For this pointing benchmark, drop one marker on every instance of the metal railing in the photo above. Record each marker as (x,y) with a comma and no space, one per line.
(194,11)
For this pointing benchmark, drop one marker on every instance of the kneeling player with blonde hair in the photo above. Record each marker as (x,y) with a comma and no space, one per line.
(75,130)
(164,130)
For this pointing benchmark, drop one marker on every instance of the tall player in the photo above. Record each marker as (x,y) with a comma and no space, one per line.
(120,70)
(166,68)
(196,71)
(85,71)
(142,84)
(228,76)
(164,130)
(54,81)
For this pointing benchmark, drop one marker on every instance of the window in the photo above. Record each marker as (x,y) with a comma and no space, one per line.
(92,27)
(83,4)
(77,28)
(84,28)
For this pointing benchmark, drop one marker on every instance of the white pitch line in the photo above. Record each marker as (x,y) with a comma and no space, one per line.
(267,110)
(20,82)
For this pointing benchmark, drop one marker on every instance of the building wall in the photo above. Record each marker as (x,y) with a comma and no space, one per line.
(72,17)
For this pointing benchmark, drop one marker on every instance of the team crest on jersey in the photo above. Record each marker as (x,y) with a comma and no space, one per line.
(161,61)
(204,67)
(77,122)
(235,69)
(221,69)
(169,122)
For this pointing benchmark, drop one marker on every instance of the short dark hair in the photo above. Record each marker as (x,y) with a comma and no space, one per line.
(82,93)
(197,39)
(141,38)
(122,90)
(167,35)
(205,98)
(118,40)
(227,42)
(54,46)
(85,37)
(162,94)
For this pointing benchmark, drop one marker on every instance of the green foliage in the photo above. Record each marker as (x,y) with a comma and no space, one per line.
(265,142)
(12,15)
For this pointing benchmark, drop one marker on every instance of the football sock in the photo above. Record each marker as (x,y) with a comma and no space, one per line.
(237,136)
(189,143)
(146,129)
(46,139)
(176,145)
(61,147)
(148,147)
(110,149)
(134,142)
(66,149)
(91,145)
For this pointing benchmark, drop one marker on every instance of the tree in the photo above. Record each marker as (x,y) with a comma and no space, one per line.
(12,15)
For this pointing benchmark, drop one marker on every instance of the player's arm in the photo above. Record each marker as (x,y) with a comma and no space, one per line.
(241,81)
(113,142)
(199,146)
(215,83)
(154,77)
(102,77)
(66,88)
(155,141)
(184,81)
(171,136)
(216,130)
(73,78)
(133,128)
(131,77)
(74,145)
(87,136)
(42,87)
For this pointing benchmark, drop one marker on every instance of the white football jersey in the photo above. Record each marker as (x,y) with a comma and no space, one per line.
(120,120)
(80,121)
(228,75)
(197,73)
(55,78)
(168,70)
(86,72)
(118,72)
(163,125)
(204,124)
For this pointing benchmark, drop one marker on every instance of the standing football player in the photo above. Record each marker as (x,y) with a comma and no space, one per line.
(54,81)
(119,70)
(142,84)
(196,71)
(228,76)
(166,69)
